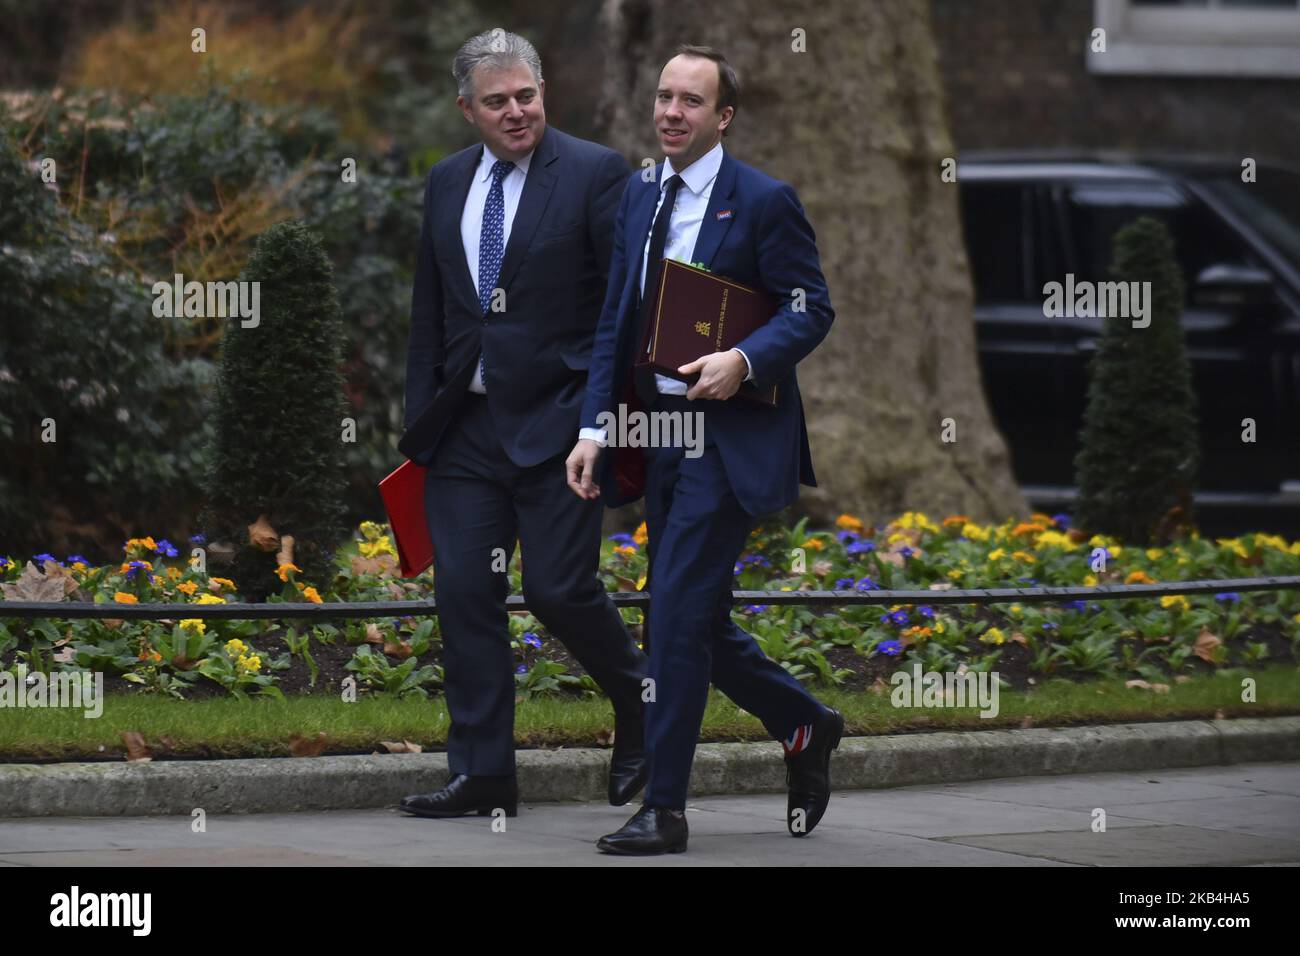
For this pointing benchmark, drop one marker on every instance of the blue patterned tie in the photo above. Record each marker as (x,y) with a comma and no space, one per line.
(491,245)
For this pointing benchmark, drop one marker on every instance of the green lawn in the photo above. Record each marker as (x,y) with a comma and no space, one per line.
(226,727)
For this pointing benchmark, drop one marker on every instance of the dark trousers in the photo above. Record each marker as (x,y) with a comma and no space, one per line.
(697,529)
(477,501)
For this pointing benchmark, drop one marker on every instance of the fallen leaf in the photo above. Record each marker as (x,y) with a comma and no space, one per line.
(137,751)
(64,655)
(1220,715)
(262,536)
(1182,679)
(301,746)
(34,586)
(401,747)
(879,687)
(1205,645)
(1020,638)
(605,738)
(382,565)
(373,634)
(1140,684)
(1160,688)
(285,554)
(941,586)
(398,649)
(821,568)
(1026,722)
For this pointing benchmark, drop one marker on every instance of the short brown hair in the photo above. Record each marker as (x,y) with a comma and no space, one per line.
(728,82)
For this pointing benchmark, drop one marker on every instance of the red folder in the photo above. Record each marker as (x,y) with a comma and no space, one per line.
(403,494)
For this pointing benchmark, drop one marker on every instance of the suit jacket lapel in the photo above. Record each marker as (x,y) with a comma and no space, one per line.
(713,230)
(538,186)
(449,224)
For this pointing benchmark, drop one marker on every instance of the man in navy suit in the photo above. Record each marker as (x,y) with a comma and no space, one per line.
(703,206)
(513,256)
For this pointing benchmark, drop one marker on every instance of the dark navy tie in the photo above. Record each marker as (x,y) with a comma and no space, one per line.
(644,381)
(491,245)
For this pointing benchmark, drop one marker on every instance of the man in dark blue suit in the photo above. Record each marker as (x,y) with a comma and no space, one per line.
(703,206)
(514,252)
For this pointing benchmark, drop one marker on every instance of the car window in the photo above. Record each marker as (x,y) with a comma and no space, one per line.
(994,221)
(1097,211)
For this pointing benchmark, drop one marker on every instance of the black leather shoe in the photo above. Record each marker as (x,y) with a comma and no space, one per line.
(652,830)
(627,765)
(808,775)
(464,794)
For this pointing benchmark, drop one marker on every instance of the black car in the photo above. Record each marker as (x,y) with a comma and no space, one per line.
(1031,219)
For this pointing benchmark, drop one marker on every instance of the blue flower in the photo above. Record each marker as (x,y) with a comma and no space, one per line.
(1079,605)
(5,563)
(1026,581)
(926,611)
(135,568)
(843,584)
(892,648)
(756,608)
(906,552)
(198,539)
(1049,625)
(74,558)
(42,558)
(166,548)
(860,547)
(898,619)
(521,669)
(866,584)
(532,640)
(846,536)
(1062,520)
(1227,597)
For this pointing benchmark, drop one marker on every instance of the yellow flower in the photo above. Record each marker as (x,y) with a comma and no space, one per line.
(955,573)
(996,554)
(939,627)
(173,573)
(311,594)
(1016,609)
(1056,539)
(381,545)
(1024,556)
(189,587)
(235,647)
(640,582)
(1090,580)
(371,530)
(194,624)
(1175,600)
(993,635)
(223,582)
(974,532)
(210,599)
(896,537)
(1139,577)
(121,597)
(849,522)
(1235,546)
(284,569)
(640,536)
(624,549)
(1155,554)
(816,544)
(252,663)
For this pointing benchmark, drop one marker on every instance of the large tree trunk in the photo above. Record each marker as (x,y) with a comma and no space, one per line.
(856,124)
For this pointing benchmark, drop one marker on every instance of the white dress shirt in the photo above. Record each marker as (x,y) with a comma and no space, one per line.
(687,216)
(471,220)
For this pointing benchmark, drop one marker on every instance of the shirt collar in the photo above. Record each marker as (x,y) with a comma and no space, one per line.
(698,174)
(488,158)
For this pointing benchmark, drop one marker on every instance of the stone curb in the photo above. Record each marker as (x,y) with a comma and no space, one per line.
(283,785)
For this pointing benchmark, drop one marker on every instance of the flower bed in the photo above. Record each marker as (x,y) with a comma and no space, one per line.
(1151,641)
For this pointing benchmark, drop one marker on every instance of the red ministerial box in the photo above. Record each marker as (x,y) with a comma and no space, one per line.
(403,494)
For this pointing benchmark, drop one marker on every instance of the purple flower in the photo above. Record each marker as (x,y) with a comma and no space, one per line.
(165,547)
(926,611)
(74,558)
(624,539)
(892,648)
(866,584)
(1227,597)
(843,584)
(898,619)
(1062,520)
(1049,625)
(1026,581)
(906,552)
(198,539)
(860,547)
(1079,605)
(532,640)
(846,537)
(521,669)
(42,558)
(136,568)
(756,608)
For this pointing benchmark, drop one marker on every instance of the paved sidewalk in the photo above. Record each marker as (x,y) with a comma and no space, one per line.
(1246,814)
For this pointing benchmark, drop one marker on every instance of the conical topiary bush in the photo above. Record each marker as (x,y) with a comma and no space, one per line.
(279,410)
(1137,465)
